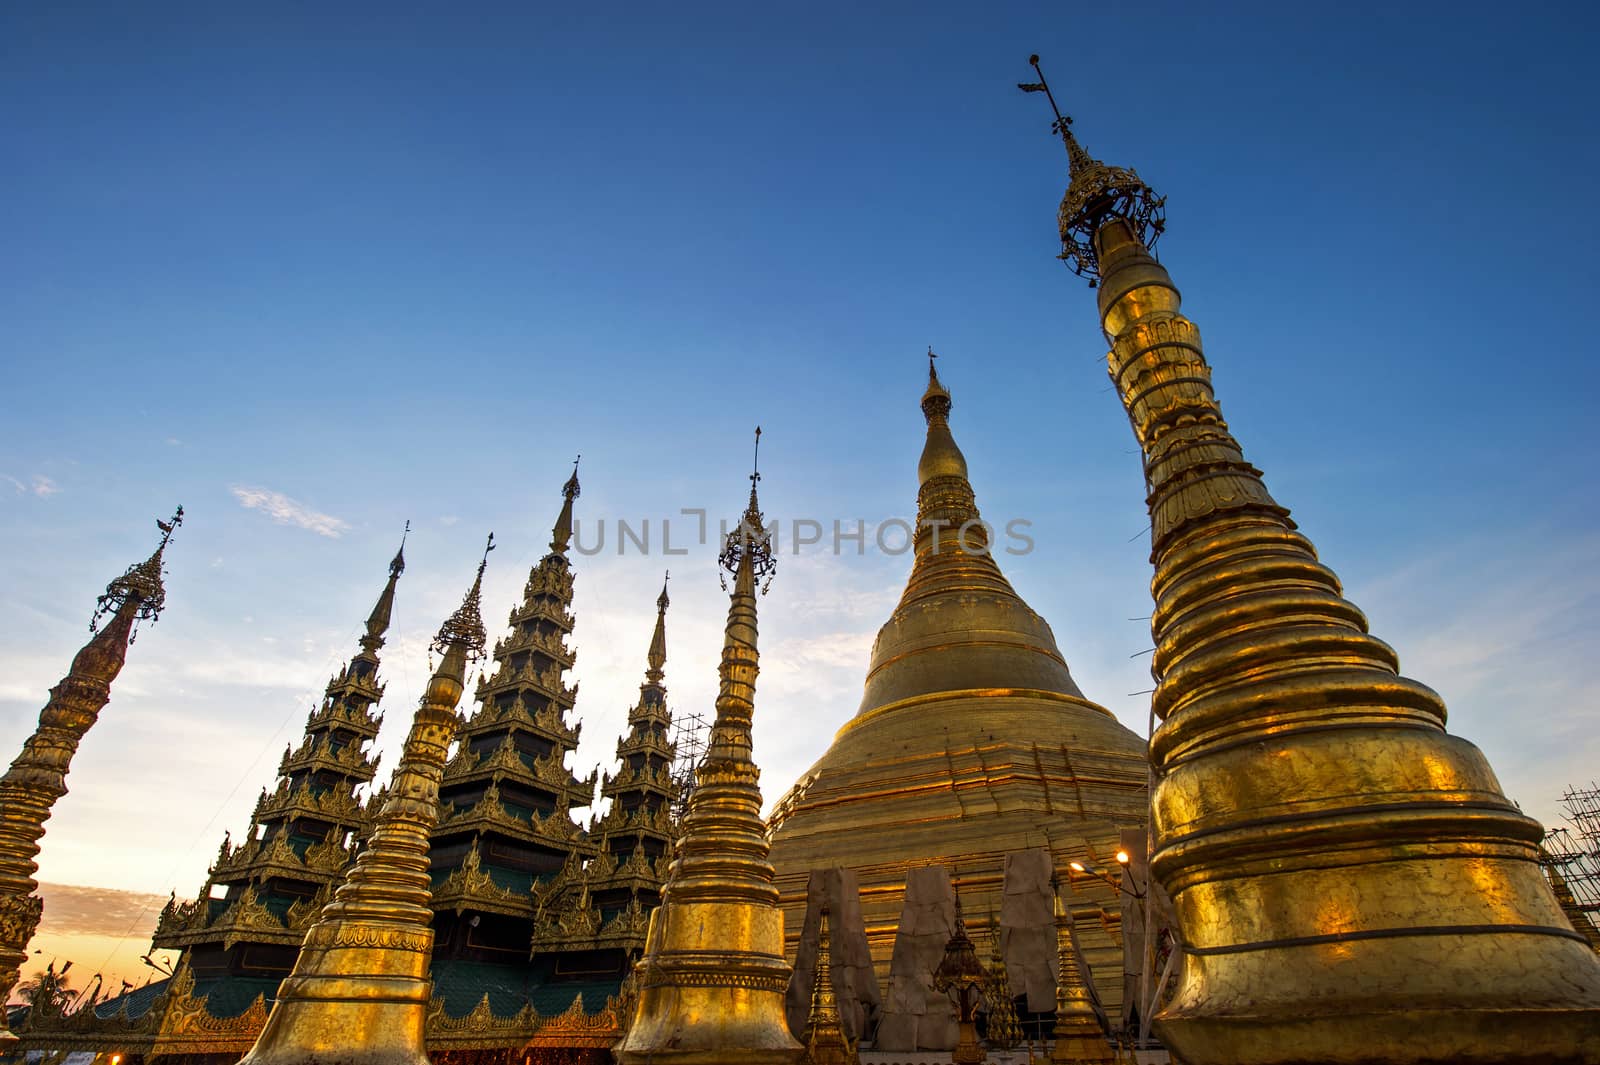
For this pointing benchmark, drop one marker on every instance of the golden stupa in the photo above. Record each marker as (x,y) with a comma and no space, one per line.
(972,739)
(1350,883)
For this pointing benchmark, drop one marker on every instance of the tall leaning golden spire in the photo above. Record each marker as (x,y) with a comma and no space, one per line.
(359,991)
(38,776)
(1349,880)
(714,971)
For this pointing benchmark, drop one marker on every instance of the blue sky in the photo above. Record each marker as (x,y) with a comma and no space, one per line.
(405,261)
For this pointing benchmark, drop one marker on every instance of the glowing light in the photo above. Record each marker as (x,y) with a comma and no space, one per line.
(1123,858)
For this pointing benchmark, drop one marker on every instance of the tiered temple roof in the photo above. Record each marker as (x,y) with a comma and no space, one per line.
(506,802)
(261,895)
(605,904)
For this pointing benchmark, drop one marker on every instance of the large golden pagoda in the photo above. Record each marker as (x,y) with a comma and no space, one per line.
(38,776)
(972,739)
(1350,882)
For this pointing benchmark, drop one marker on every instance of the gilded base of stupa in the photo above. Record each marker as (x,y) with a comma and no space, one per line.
(956,780)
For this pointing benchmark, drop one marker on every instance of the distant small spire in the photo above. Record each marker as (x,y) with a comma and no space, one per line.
(378,620)
(561,534)
(397,565)
(936,400)
(657,657)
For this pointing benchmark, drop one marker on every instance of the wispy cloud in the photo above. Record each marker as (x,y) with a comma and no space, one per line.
(40,486)
(285,511)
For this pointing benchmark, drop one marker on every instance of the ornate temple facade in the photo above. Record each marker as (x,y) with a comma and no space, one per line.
(240,936)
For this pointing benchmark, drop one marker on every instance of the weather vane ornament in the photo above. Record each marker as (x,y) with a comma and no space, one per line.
(465,626)
(752,537)
(570,490)
(140,584)
(1095,193)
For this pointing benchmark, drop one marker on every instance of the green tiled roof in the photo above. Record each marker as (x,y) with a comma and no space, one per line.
(230,996)
(138,1000)
(516,881)
(462,985)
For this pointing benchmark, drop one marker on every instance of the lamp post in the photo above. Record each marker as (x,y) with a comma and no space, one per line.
(1123,857)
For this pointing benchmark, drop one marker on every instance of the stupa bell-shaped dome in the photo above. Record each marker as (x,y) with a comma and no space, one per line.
(972,740)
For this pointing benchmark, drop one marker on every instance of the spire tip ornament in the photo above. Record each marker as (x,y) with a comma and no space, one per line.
(1095,193)
(397,565)
(561,534)
(464,628)
(141,584)
(751,541)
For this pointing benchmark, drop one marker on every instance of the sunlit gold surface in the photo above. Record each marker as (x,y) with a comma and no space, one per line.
(972,739)
(360,989)
(1350,882)
(714,973)
(38,776)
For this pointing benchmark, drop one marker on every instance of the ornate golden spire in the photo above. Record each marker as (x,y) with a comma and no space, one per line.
(378,620)
(561,535)
(1078,1034)
(826,1043)
(1304,790)
(38,777)
(657,657)
(714,969)
(359,991)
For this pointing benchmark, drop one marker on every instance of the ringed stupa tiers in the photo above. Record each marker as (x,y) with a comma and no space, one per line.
(972,739)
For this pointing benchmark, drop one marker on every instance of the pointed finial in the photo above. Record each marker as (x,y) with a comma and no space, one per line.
(936,400)
(378,620)
(569,491)
(398,565)
(1096,194)
(561,533)
(657,657)
(751,542)
(1078,159)
(464,628)
(140,585)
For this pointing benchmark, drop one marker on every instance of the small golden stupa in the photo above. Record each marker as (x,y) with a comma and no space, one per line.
(972,739)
